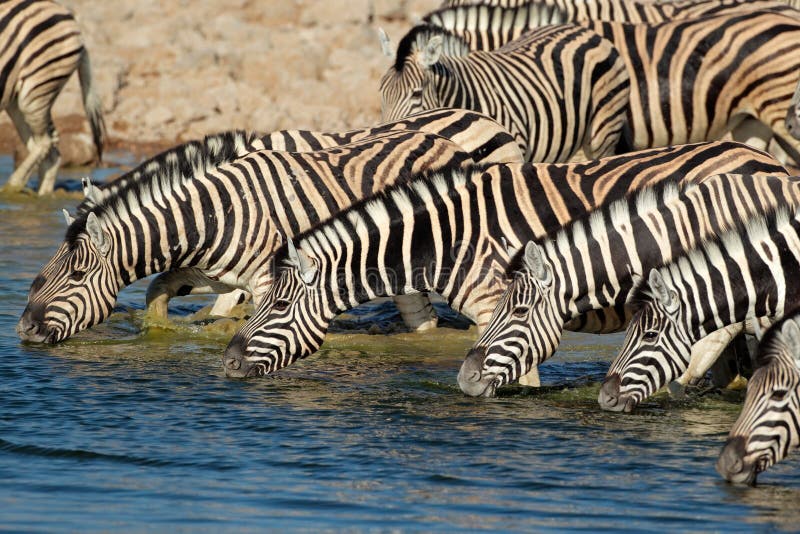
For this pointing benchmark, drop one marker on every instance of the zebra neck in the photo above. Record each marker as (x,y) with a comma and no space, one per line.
(750,274)
(423,238)
(161,229)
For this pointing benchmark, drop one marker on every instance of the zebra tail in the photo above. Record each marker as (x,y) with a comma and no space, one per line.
(92,104)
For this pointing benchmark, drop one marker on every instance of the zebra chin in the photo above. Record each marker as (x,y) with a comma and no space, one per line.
(471,379)
(612,399)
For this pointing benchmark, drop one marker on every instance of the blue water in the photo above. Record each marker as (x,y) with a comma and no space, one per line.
(126,429)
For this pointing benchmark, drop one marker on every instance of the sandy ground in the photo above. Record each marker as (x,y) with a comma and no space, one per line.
(172,71)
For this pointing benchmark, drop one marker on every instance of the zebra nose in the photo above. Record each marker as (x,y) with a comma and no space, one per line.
(730,463)
(31,325)
(609,393)
(233,358)
(470,376)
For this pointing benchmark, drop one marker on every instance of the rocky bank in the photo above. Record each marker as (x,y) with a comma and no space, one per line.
(176,70)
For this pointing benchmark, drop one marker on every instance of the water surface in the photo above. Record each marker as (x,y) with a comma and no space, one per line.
(126,428)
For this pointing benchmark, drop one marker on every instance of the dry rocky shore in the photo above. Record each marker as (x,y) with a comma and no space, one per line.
(173,71)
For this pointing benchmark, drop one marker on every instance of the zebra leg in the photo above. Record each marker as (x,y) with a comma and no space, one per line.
(225,303)
(48,168)
(705,352)
(531,378)
(417,311)
(19,178)
(178,282)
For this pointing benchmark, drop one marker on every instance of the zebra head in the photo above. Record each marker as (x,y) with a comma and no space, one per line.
(656,349)
(289,323)
(409,86)
(76,289)
(769,425)
(525,329)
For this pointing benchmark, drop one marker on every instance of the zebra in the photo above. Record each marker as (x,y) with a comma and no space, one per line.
(698,79)
(483,138)
(769,424)
(592,263)
(746,273)
(225,222)
(490,25)
(557,89)
(445,234)
(42,47)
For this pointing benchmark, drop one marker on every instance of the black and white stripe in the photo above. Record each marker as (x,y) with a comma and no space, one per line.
(42,47)
(591,265)
(225,222)
(447,235)
(558,89)
(492,24)
(699,79)
(483,138)
(749,272)
(768,427)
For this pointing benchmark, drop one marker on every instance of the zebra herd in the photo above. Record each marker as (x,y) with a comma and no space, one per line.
(542,165)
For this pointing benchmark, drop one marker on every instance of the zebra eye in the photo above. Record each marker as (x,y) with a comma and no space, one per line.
(280,305)
(77,276)
(650,336)
(779,394)
(520,311)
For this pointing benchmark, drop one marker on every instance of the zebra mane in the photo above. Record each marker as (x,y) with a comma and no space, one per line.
(411,193)
(596,223)
(418,36)
(758,228)
(771,345)
(463,17)
(164,172)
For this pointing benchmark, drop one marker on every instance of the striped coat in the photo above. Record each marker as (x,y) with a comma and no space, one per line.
(447,236)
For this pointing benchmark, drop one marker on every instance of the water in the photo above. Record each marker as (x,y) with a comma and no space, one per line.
(129,430)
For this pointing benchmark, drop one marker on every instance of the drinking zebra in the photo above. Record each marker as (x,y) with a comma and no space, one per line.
(769,425)
(558,89)
(225,222)
(490,25)
(698,79)
(591,265)
(42,47)
(746,273)
(446,234)
(483,138)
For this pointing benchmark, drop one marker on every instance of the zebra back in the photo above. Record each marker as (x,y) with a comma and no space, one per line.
(490,25)
(768,427)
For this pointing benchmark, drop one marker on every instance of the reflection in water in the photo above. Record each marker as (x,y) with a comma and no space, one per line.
(130,427)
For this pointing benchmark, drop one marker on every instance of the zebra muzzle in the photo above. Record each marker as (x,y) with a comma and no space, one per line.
(32,326)
(612,399)
(233,359)
(471,379)
(731,464)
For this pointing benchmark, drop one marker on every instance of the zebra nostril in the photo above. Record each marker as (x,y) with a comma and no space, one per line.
(609,393)
(232,363)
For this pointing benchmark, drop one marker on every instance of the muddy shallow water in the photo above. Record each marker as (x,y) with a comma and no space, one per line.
(129,428)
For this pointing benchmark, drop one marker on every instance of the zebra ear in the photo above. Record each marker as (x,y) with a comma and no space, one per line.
(67,217)
(386,43)
(299,260)
(536,264)
(432,51)
(661,291)
(97,235)
(791,334)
